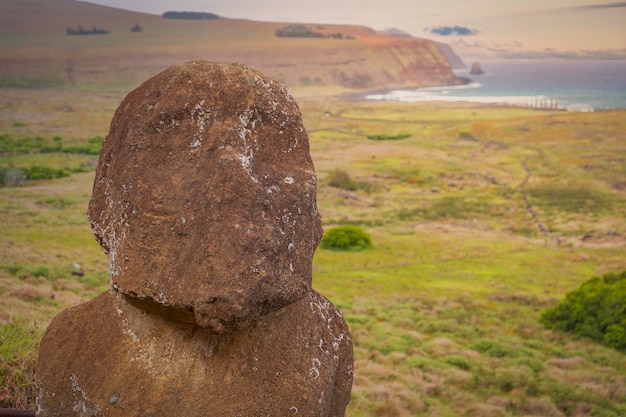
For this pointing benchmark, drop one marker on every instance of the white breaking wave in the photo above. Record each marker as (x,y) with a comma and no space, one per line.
(445,94)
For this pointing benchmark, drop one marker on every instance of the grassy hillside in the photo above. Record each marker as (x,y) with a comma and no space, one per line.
(444,308)
(35,50)
(481,217)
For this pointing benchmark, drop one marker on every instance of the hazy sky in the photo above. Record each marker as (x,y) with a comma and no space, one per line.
(498,28)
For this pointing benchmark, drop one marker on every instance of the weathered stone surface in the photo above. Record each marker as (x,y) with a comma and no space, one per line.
(205,181)
(204,201)
(110,358)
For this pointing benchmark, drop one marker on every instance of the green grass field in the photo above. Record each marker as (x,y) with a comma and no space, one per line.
(480,217)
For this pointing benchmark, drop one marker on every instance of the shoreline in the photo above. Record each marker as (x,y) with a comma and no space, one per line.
(425,95)
(361,95)
(568,86)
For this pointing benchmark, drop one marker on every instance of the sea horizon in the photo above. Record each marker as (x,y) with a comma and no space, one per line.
(565,85)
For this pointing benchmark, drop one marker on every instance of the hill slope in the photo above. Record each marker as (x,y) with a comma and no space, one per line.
(36,50)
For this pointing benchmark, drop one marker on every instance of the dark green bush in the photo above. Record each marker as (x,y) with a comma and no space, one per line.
(346,237)
(298,31)
(385,136)
(8,144)
(41,271)
(596,310)
(93,147)
(493,349)
(79,169)
(40,172)
(458,361)
(82,149)
(96,140)
(57,146)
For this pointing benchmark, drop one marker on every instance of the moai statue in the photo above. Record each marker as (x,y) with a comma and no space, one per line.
(204,202)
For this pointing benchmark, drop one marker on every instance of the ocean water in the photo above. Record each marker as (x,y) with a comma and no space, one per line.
(568,85)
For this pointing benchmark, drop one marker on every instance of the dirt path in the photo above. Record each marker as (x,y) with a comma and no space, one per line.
(529,207)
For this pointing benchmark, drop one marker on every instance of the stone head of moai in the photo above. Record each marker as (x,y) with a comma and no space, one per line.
(205,202)
(205,196)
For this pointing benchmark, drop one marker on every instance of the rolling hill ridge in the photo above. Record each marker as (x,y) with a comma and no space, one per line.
(37,51)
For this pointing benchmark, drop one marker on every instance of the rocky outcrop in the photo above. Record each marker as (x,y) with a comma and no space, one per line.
(476,69)
(204,201)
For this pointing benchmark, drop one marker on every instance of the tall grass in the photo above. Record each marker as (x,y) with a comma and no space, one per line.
(18,355)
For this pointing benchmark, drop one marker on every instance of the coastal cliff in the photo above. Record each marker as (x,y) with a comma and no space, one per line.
(365,60)
(451,56)
(356,57)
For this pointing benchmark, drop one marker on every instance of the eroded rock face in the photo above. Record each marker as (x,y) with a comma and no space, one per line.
(205,181)
(204,201)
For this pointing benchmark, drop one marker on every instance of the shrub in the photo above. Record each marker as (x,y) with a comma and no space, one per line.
(56,147)
(40,172)
(8,144)
(82,149)
(92,281)
(389,137)
(11,176)
(346,237)
(341,179)
(96,140)
(298,31)
(596,310)
(190,15)
(93,147)
(465,135)
(11,145)
(493,349)
(41,271)
(458,361)
(79,30)
(11,268)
